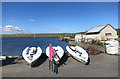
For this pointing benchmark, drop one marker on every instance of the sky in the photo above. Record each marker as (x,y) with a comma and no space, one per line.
(56,17)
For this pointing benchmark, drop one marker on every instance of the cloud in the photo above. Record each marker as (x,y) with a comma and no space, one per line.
(12,29)
(31,20)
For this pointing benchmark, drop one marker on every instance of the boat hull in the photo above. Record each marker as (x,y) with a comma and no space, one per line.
(35,56)
(59,51)
(81,55)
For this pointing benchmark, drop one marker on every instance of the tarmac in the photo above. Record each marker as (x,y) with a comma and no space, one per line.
(102,65)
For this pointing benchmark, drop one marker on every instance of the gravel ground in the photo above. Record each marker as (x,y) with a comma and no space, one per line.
(102,65)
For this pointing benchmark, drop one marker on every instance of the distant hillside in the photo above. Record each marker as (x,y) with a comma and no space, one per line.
(48,34)
(80,33)
(43,35)
(39,35)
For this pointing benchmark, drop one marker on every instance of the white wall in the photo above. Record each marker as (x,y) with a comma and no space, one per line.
(108,29)
(93,36)
(79,37)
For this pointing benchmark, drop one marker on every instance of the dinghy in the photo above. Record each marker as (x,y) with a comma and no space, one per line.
(31,54)
(54,54)
(57,51)
(3,57)
(78,53)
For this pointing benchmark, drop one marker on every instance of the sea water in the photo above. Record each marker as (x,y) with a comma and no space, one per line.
(13,46)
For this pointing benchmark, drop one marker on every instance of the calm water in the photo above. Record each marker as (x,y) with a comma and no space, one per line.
(15,45)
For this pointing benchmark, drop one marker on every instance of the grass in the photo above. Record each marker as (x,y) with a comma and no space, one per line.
(39,35)
(93,42)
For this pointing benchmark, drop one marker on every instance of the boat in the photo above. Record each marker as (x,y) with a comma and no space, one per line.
(79,54)
(3,57)
(57,52)
(31,54)
(54,53)
(112,47)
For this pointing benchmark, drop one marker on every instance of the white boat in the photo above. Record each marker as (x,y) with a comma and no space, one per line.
(112,47)
(78,53)
(3,57)
(31,54)
(59,52)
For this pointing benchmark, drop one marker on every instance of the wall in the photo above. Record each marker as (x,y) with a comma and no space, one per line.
(108,29)
(93,36)
(79,37)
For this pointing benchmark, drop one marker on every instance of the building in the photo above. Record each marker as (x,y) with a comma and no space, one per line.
(102,33)
(79,37)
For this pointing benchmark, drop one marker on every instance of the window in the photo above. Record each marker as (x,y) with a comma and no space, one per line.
(107,34)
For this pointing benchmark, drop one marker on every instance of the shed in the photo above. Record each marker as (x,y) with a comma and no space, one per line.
(102,32)
(79,37)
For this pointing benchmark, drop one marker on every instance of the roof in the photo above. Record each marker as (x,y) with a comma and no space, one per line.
(96,29)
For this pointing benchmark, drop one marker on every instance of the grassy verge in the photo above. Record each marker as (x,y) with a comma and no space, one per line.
(39,35)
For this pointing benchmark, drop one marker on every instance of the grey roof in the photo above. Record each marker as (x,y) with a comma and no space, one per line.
(96,29)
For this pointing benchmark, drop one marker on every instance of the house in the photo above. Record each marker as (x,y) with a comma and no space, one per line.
(102,33)
(79,37)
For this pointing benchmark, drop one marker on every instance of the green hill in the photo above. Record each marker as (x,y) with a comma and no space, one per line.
(48,34)
(39,35)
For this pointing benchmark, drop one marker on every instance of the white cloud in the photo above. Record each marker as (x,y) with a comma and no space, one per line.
(13,29)
(31,20)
